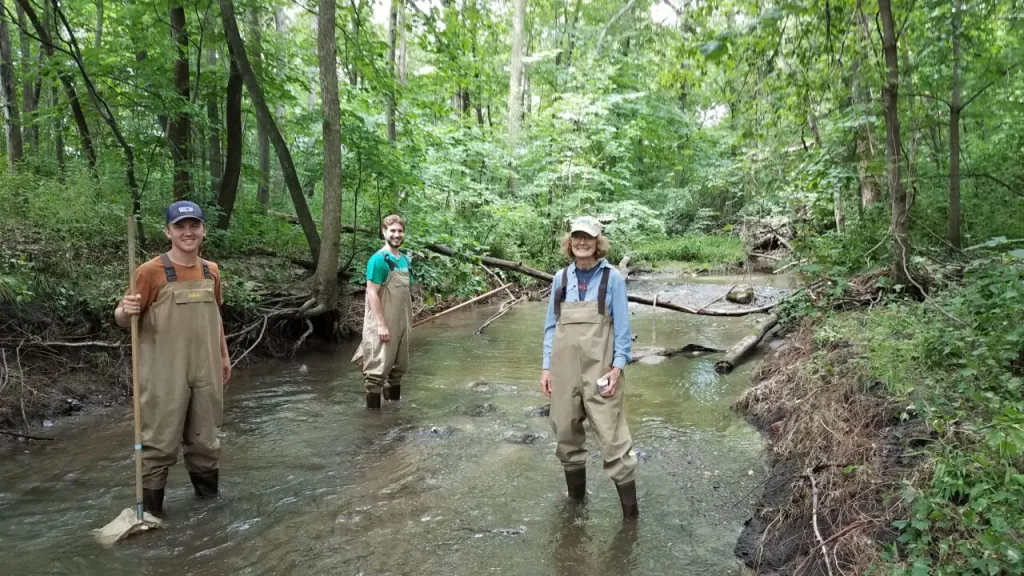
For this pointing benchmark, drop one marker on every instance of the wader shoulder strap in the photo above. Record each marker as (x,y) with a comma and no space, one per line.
(560,295)
(391,264)
(206,269)
(602,291)
(172,276)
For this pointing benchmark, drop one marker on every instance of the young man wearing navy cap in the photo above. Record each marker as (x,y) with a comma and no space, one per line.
(183,358)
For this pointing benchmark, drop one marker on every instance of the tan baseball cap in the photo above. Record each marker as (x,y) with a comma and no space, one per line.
(588,225)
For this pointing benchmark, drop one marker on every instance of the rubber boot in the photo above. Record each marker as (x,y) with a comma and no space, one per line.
(153,501)
(627,495)
(373,400)
(205,483)
(393,393)
(576,481)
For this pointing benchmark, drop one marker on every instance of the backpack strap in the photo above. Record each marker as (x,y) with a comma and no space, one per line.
(172,276)
(206,269)
(602,291)
(562,291)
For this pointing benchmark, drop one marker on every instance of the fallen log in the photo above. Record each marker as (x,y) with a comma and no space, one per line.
(496,262)
(505,309)
(466,303)
(735,354)
(692,349)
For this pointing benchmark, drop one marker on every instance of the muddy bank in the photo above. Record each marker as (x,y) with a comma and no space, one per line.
(835,456)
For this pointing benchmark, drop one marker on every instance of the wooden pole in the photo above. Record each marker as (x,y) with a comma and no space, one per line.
(466,303)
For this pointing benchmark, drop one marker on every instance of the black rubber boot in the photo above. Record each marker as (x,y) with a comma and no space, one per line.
(373,401)
(153,501)
(576,481)
(627,495)
(393,393)
(205,483)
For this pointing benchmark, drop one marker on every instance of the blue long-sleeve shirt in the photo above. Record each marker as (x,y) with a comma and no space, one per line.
(615,303)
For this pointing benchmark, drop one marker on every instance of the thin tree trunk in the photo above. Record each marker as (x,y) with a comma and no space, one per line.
(890,100)
(865,144)
(291,177)
(392,49)
(228,189)
(69,87)
(262,140)
(327,265)
(99,25)
(213,117)
(12,121)
(178,130)
(515,83)
(403,48)
(955,107)
(281,28)
(30,97)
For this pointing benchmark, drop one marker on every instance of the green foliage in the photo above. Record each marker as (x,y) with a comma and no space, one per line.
(703,250)
(964,381)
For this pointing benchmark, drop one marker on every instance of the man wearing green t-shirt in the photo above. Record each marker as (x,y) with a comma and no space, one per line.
(384,352)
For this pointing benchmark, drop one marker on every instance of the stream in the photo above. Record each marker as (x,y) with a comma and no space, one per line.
(459,478)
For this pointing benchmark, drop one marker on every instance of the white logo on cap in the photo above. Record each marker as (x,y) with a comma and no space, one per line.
(186,209)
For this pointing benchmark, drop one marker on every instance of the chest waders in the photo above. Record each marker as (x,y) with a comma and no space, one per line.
(583,352)
(182,385)
(385,363)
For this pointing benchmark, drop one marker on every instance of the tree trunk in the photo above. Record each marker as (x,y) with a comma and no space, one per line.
(12,121)
(515,83)
(30,96)
(955,107)
(291,177)
(69,87)
(403,48)
(99,24)
(281,28)
(890,101)
(228,190)
(262,140)
(865,136)
(213,116)
(392,48)
(326,290)
(178,130)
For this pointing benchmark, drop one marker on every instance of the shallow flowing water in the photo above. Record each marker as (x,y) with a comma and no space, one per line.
(312,483)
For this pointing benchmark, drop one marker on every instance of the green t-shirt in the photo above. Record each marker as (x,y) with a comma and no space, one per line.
(377,268)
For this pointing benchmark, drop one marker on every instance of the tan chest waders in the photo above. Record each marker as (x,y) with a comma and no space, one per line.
(182,384)
(583,351)
(385,363)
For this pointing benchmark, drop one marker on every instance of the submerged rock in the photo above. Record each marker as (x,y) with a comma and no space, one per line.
(539,412)
(480,386)
(743,294)
(435,432)
(478,410)
(517,437)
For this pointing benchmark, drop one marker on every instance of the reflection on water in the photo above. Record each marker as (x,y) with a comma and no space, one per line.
(315,484)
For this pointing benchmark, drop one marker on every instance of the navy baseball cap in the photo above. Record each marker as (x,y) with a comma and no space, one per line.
(183,209)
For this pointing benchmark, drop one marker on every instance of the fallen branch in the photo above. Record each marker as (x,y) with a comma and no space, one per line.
(466,303)
(768,256)
(727,292)
(640,353)
(743,347)
(499,279)
(82,344)
(790,265)
(814,518)
(505,309)
(254,344)
(496,262)
(670,306)
(25,436)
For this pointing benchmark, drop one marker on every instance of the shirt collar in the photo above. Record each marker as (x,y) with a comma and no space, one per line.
(600,264)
